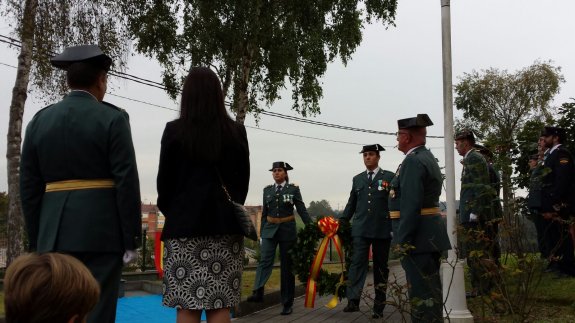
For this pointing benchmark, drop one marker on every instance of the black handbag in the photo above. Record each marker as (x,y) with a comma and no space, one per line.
(241,214)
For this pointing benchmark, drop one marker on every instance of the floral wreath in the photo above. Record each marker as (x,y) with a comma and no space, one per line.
(306,249)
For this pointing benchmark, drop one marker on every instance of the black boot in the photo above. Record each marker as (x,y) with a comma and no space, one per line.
(352,306)
(257,296)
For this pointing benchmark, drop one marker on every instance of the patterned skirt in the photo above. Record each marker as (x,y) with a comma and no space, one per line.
(203,272)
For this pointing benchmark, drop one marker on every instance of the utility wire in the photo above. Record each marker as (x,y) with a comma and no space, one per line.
(158,85)
(119,74)
(251,127)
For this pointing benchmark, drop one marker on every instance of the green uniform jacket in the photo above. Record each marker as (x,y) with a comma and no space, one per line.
(80,138)
(476,192)
(535,180)
(417,185)
(367,205)
(281,205)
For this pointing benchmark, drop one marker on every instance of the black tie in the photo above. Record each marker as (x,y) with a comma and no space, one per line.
(370,176)
(278,189)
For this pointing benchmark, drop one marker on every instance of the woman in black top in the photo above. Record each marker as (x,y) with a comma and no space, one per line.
(203,259)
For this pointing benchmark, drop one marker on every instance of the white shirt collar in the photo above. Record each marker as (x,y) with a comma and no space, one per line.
(467,153)
(412,149)
(553,149)
(375,171)
(282,184)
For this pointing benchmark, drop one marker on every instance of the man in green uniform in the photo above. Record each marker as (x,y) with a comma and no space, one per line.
(534,200)
(420,235)
(79,181)
(475,215)
(278,227)
(371,227)
(496,207)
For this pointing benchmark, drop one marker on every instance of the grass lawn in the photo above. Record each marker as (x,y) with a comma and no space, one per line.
(552,300)
(249,277)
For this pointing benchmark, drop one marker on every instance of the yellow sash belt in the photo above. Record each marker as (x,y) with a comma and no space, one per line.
(280,220)
(425,211)
(79,184)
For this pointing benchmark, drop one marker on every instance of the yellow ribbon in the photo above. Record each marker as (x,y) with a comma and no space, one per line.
(328,227)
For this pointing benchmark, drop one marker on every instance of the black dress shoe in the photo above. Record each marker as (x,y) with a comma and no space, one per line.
(352,306)
(257,296)
(287,310)
(377,311)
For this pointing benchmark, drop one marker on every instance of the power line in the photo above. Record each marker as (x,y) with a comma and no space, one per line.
(119,74)
(158,85)
(143,102)
(251,127)
(331,125)
(308,137)
(8,65)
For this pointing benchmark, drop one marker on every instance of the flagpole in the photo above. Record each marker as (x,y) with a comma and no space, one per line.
(455,308)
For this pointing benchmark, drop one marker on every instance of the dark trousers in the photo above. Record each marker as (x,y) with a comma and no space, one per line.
(479,249)
(107,269)
(359,266)
(265,266)
(422,273)
(541,229)
(560,245)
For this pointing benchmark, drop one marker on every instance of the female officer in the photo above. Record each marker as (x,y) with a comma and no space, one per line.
(278,227)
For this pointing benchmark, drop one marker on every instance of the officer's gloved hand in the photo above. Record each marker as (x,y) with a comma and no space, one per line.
(129,256)
(473,217)
(261,241)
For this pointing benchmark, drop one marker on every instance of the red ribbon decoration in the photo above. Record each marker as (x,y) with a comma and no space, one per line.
(159,254)
(328,226)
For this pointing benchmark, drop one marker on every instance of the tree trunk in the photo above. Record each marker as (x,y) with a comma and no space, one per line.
(509,224)
(227,80)
(243,100)
(15,226)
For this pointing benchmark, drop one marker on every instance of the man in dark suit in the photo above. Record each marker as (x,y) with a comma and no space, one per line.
(278,227)
(475,214)
(420,235)
(556,200)
(371,227)
(79,181)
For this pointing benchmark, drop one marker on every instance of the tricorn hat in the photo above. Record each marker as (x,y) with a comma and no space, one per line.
(422,120)
(465,135)
(374,147)
(553,131)
(91,54)
(280,164)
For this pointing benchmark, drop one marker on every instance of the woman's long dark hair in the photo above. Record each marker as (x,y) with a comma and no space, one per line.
(204,120)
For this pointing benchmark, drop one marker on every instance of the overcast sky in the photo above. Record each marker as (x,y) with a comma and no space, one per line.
(395,73)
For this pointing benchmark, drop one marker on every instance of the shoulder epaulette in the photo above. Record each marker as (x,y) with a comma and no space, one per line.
(293,184)
(44,108)
(269,186)
(113,106)
(387,172)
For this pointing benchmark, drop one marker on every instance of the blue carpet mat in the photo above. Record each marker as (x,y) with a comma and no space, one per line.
(147,309)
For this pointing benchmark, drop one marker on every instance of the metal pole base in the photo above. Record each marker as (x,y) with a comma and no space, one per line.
(455,309)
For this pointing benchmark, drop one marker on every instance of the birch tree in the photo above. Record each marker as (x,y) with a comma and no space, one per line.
(255,45)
